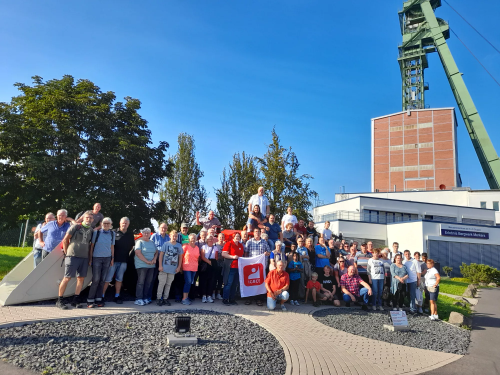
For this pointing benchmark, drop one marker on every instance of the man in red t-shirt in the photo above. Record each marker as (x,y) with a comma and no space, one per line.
(300,229)
(277,284)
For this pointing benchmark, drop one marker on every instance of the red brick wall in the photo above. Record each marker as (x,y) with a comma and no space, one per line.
(424,152)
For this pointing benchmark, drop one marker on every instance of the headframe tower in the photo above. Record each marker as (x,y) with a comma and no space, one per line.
(423,33)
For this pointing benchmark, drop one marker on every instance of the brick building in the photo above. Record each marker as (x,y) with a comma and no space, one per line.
(415,150)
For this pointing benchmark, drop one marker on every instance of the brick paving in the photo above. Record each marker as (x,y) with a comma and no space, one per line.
(310,347)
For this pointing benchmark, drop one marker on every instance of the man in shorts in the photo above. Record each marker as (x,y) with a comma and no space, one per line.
(76,247)
(124,243)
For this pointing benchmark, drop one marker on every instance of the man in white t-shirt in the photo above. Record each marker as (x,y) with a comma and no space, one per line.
(260,200)
(395,251)
(413,268)
(288,218)
(326,233)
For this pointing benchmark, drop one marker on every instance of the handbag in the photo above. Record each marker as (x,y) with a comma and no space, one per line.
(431,289)
(386,292)
(204,265)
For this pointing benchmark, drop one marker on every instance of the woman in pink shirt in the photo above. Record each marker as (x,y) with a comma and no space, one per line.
(189,266)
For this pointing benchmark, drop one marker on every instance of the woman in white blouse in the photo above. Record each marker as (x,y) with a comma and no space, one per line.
(432,279)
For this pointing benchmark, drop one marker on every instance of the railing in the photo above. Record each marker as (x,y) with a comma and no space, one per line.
(365,217)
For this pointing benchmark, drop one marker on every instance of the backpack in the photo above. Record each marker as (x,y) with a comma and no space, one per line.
(99,232)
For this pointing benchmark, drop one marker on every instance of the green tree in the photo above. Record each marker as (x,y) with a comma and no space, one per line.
(182,192)
(67,145)
(283,185)
(237,186)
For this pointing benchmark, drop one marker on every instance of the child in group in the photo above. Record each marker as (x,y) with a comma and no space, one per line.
(295,269)
(329,286)
(314,286)
(169,265)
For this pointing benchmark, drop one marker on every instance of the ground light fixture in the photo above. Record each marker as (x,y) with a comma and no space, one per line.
(182,325)
(181,336)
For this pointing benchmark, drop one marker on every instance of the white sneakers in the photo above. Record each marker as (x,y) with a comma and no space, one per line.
(374,308)
(219,296)
(283,307)
(297,303)
(204,299)
(434,317)
(381,308)
(210,300)
(139,302)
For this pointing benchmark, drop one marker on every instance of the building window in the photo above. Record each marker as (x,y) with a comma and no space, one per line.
(483,204)
(495,206)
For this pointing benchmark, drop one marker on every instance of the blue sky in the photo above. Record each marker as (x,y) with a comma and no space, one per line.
(228,71)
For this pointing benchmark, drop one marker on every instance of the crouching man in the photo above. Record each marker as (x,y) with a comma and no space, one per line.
(277,284)
(76,247)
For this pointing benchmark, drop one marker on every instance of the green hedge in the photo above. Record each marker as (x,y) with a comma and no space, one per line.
(480,273)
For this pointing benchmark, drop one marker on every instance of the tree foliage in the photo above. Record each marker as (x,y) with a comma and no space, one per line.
(237,186)
(283,185)
(277,172)
(68,145)
(182,192)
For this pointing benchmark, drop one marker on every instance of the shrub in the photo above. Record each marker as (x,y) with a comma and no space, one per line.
(480,273)
(447,270)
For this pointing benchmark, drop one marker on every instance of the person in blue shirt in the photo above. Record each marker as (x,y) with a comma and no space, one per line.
(295,270)
(273,230)
(159,239)
(322,257)
(54,232)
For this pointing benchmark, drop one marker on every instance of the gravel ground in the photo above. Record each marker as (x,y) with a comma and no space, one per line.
(423,334)
(136,344)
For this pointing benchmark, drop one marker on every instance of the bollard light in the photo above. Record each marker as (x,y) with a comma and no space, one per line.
(182,324)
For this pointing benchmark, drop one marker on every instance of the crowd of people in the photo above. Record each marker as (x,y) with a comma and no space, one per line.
(302,264)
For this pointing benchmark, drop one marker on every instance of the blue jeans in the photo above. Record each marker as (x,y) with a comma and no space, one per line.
(377,289)
(230,288)
(118,270)
(188,280)
(100,267)
(37,257)
(271,303)
(363,295)
(412,289)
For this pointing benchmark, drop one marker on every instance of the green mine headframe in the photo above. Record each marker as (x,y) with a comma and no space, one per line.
(423,33)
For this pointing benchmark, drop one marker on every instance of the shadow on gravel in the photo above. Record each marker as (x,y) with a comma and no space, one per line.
(48,340)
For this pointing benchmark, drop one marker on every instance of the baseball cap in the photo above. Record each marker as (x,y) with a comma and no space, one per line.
(184,225)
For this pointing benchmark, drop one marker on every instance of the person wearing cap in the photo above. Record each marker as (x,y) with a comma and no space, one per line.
(182,236)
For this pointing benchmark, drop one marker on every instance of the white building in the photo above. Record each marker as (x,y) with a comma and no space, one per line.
(450,226)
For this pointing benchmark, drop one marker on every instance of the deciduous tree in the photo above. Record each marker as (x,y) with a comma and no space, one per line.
(67,144)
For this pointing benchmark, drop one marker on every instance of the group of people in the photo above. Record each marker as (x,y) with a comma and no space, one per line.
(301,262)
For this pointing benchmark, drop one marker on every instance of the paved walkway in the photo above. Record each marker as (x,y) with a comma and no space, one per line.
(483,355)
(310,348)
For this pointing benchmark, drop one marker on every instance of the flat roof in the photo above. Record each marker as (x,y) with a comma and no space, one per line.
(401,200)
(414,110)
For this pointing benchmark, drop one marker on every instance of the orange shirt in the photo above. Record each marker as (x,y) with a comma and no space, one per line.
(277,281)
(311,284)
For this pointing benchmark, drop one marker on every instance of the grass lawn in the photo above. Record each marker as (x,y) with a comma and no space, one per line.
(445,307)
(453,286)
(10,256)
